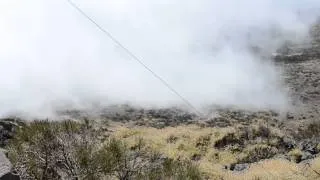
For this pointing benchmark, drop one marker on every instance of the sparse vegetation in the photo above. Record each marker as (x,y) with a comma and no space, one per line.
(68,149)
(90,149)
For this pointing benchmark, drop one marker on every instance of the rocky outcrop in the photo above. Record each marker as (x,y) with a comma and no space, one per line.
(5,165)
(8,127)
(5,168)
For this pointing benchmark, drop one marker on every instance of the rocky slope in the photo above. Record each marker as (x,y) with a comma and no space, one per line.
(301,64)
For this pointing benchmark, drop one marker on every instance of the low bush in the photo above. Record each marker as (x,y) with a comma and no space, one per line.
(72,150)
(257,153)
(228,139)
(295,155)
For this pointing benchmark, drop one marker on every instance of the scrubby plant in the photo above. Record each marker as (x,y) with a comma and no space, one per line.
(172,139)
(174,169)
(42,149)
(257,153)
(311,130)
(72,150)
(295,155)
(263,132)
(253,132)
(203,142)
(228,139)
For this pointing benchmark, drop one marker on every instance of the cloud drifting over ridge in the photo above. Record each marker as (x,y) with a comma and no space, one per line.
(50,56)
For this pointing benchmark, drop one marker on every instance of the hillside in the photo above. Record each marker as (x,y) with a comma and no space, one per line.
(125,142)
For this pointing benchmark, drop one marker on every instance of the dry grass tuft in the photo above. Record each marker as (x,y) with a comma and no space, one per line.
(215,149)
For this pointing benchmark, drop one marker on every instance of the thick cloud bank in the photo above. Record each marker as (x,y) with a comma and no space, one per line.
(51,56)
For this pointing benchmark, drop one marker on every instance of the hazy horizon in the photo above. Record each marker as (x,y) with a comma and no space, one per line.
(51,56)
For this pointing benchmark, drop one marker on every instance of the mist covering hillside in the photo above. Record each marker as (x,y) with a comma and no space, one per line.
(53,58)
(242,103)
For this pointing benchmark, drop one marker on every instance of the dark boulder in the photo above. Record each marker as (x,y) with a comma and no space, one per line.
(10,176)
(239,167)
(5,168)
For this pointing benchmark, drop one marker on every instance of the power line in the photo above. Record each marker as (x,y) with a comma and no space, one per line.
(133,56)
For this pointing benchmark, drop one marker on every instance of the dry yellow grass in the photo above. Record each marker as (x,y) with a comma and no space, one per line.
(269,170)
(184,139)
(191,140)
